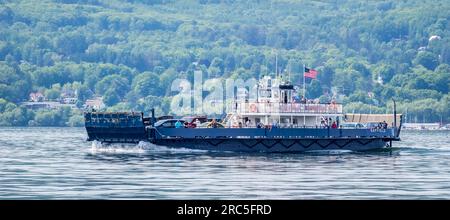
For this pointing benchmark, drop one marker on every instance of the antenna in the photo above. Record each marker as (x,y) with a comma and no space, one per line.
(276,65)
(289,72)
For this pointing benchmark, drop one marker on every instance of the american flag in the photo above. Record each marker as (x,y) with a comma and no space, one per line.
(310,73)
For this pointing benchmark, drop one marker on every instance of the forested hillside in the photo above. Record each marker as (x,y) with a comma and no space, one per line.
(129,51)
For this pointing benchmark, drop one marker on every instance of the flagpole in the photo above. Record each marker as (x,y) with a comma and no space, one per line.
(304,86)
(304,94)
(289,72)
(276,65)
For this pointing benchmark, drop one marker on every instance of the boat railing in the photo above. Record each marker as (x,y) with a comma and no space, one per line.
(269,108)
(305,126)
(113,119)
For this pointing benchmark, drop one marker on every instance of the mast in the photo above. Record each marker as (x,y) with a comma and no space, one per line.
(304,86)
(395,114)
(304,94)
(289,72)
(276,65)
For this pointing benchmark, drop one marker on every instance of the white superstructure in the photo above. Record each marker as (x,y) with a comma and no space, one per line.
(277,103)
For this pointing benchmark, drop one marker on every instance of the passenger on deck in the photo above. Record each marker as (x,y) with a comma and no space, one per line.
(259,125)
(213,123)
(275,124)
(385,125)
(178,124)
(303,100)
(334,125)
(322,123)
(196,123)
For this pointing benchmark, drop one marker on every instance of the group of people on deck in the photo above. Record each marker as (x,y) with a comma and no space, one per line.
(325,122)
(194,124)
(382,125)
(328,122)
(246,124)
(304,100)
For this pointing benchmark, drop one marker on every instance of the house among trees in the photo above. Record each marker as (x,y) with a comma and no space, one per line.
(38,101)
(68,93)
(37,97)
(95,103)
(69,100)
(37,105)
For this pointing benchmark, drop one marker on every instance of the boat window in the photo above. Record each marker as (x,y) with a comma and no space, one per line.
(168,124)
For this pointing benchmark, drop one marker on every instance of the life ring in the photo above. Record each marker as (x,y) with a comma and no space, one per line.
(253,108)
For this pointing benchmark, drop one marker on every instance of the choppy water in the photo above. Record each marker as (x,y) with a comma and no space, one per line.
(56,163)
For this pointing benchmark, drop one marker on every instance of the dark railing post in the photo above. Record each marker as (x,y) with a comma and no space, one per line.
(328,129)
(153,117)
(395,114)
(400,126)
(395,118)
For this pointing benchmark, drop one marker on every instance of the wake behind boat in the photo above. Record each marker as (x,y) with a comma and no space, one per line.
(276,121)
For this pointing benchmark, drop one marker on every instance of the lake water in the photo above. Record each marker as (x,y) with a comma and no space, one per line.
(57,163)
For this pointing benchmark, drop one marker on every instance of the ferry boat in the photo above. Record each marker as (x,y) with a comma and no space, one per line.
(276,121)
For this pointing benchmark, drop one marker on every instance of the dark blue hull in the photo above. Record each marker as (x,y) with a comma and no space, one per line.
(125,127)
(117,135)
(277,145)
(273,140)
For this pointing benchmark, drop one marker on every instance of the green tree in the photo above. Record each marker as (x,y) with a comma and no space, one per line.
(46,118)
(76,121)
(83,92)
(3,104)
(427,59)
(314,89)
(385,71)
(118,84)
(146,84)
(14,84)
(149,102)
(110,97)
(54,93)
